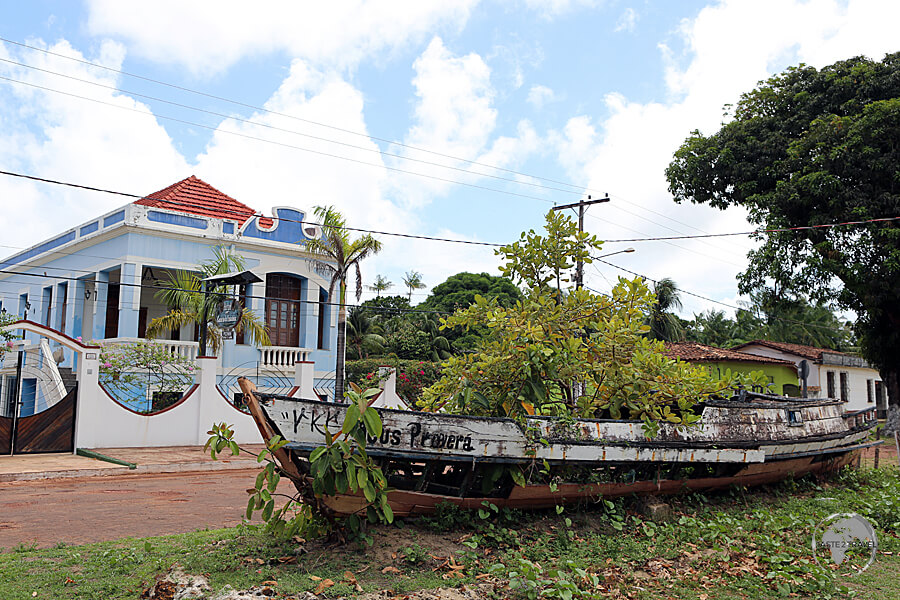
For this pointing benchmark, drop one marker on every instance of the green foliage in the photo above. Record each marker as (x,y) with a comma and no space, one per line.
(382,284)
(664,325)
(811,147)
(387,307)
(131,372)
(183,293)
(547,261)
(6,337)
(459,291)
(337,257)
(530,580)
(363,335)
(341,466)
(558,340)
(539,348)
(412,375)
(413,280)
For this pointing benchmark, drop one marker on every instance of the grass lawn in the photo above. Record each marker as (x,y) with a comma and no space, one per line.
(737,544)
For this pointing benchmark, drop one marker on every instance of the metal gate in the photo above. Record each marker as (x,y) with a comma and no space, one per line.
(49,430)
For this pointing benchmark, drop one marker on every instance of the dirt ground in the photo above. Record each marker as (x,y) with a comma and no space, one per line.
(94,509)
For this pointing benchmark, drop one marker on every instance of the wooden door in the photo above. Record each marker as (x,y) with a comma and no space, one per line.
(283,310)
(112,311)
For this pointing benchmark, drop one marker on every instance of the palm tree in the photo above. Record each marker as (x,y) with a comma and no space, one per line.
(413,280)
(183,293)
(439,345)
(338,255)
(381,285)
(663,324)
(363,335)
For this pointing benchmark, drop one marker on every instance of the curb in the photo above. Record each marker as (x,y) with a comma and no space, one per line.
(141,469)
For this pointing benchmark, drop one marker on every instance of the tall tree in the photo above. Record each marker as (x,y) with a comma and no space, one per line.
(808,148)
(664,325)
(363,335)
(381,285)
(339,257)
(182,293)
(413,280)
(459,291)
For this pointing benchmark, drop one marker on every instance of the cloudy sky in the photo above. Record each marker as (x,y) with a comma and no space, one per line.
(460,119)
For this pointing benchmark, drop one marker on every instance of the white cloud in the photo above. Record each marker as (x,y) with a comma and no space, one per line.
(729,47)
(627,20)
(539,95)
(554,8)
(264,175)
(65,138)
(208,36)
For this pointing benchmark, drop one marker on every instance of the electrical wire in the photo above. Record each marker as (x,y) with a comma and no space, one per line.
(177,289)
(683,291)
(273,142)
(243,215)
(289,116)
(293,132)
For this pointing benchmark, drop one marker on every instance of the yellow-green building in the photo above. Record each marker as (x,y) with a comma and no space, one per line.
(782,374)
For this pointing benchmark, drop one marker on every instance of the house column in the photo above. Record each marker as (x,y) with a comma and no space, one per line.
(129,299)
(309,314)
(76,309)
(101,287)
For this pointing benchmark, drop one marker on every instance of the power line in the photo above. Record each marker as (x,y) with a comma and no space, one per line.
(273,142)
(683,291)
(289,116)
(579,188)
(213,293)
(291,131)
(757,231)
(235,213)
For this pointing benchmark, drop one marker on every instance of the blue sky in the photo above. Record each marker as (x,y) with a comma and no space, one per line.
(596,94)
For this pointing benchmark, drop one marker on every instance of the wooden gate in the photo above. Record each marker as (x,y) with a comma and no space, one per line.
(51,430)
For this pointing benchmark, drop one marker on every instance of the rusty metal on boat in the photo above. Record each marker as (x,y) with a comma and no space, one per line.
(430,458)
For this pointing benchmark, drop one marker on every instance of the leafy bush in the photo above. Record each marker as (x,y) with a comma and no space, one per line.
(412,375)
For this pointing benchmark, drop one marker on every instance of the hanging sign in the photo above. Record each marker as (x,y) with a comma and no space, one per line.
(228,314)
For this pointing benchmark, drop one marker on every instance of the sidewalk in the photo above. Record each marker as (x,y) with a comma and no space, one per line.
(175,459)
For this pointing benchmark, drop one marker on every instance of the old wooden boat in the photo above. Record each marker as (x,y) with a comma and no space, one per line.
(430,458)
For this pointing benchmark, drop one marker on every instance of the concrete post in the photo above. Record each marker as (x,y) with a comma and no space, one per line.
(88,415)
(209,396)
(304,378)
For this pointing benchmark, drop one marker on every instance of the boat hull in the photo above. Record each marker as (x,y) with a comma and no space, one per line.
(431,459)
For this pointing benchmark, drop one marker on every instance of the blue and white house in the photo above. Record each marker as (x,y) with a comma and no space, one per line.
(97,281)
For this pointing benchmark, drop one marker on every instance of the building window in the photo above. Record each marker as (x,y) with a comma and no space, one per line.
(870,391)
(845,387)
(829,378)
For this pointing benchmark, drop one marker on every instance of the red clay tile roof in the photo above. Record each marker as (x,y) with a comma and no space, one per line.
(810,352)
(196,197)
(693,352)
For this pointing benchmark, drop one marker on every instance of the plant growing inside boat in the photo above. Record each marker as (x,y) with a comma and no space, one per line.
(341,466)
(559,339)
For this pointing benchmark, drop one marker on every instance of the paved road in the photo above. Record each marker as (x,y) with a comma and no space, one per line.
(78,511)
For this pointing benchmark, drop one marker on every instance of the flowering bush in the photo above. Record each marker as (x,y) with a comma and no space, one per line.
(412,375)
(144,375)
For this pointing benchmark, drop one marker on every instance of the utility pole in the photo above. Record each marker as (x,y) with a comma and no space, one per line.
(580,205)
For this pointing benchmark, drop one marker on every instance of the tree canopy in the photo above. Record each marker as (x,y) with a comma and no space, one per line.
(459,291)
(809,148)
(556,340)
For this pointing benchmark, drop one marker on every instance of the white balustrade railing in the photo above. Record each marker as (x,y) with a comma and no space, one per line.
(185,350)
(282,356)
